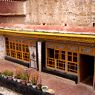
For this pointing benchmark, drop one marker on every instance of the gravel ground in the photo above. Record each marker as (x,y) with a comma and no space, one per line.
(5,91)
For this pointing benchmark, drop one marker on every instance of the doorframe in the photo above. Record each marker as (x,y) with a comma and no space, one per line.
(93,68)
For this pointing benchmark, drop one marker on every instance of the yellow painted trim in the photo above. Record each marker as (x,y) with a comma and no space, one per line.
(4,31)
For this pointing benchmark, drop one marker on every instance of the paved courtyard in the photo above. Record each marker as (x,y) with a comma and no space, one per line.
(5,91)
(61,86)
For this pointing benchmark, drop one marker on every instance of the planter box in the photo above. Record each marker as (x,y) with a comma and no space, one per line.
(20,88)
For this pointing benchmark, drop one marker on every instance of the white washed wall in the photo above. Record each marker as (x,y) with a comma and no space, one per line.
(33,62)
(2,47)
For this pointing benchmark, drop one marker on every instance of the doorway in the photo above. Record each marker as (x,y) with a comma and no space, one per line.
(86,69)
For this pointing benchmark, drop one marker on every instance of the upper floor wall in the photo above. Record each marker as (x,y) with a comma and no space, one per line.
(52,12)
(62,12)
(12,11)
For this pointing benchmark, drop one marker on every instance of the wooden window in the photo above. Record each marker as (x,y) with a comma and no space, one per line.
(72,67)
(23,48)
(50,53)
(59,59)
(13,54)
(60,64)
(74,57)
(69,56)
(56,59)
(57,54)
(8,52)
(51,63)
(72,62)
(27,50)
(17,50)
(63,55)
(26,56)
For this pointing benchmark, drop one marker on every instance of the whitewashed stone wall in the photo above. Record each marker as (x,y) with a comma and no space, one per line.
(51,12)
(33,62)
(62,12)
(2,47)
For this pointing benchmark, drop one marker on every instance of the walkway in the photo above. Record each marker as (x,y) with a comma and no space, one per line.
(61,86)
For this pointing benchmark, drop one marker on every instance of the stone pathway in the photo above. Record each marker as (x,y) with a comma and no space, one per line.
(5,91)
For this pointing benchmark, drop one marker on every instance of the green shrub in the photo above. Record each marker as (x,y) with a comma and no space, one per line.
(22,76)
(18,76)
(7,73)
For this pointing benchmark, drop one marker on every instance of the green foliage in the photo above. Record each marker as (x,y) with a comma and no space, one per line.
(22,76)
(7,73)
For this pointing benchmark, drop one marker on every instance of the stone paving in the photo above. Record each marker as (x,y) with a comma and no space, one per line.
(61,86)
(5,91)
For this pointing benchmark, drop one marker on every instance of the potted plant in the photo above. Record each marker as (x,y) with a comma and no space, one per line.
(24,78)
(18,77)
(18,73)
(8,74)
(34,81)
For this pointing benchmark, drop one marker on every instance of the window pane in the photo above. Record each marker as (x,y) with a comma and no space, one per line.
(63,55)
(56,54)
(74,59)
(72,67)
(75,54)
(51,53)
(69,53)
(69,58)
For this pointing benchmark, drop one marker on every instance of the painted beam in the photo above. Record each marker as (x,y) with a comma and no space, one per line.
(51,36)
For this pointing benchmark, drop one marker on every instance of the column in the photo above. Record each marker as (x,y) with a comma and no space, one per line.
(39,46)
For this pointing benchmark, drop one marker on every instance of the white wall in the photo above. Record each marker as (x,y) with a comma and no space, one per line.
(2,47)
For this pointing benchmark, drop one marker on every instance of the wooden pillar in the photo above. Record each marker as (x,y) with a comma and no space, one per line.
(78,68)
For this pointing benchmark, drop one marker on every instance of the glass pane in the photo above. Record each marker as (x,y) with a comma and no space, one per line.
(17,47)
(69,58)
(51,53)
(75,54)
(69,53)
(56,54)
(74,59)
(23,47)
(10,45)
(27,50)
(63,55)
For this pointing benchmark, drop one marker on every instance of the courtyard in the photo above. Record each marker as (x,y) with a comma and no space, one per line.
(60,85)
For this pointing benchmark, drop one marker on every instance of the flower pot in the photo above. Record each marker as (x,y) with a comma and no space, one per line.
(34,86)
(23,82)
(44,88)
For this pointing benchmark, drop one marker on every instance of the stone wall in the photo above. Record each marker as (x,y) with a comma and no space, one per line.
(61,12)
(54,12)
(12,11)
(12,19)
(2,47)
